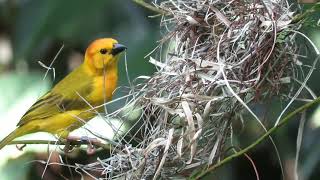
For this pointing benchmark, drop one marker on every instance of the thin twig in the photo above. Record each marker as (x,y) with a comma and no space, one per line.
(149,6)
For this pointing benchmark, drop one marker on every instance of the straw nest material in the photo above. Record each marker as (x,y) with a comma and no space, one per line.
(215,58)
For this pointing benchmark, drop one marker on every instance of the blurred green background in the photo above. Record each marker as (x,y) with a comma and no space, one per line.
(35,30)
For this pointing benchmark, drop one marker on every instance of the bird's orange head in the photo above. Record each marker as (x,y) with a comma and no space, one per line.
(103,53)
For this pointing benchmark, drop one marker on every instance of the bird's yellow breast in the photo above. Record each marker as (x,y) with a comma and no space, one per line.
(103,88)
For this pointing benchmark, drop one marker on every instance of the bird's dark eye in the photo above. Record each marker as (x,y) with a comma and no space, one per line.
(103,51)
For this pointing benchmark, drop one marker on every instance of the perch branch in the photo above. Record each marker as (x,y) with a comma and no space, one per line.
(259,140)
(62,142)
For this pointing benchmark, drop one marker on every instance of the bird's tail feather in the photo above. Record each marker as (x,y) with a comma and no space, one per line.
(20,131)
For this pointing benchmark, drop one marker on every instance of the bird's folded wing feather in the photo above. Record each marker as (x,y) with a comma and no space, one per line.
(68,94)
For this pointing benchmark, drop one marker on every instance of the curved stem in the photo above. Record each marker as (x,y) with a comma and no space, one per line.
(259,140)
(307,13)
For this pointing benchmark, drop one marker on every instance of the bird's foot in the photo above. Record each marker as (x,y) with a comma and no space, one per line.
(68,148)
(77,141)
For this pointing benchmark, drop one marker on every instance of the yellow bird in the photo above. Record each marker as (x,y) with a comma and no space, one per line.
(72,101)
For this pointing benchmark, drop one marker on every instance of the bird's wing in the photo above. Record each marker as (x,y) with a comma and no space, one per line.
(65,96)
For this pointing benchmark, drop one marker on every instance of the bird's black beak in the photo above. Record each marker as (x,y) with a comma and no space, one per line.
(118,48)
